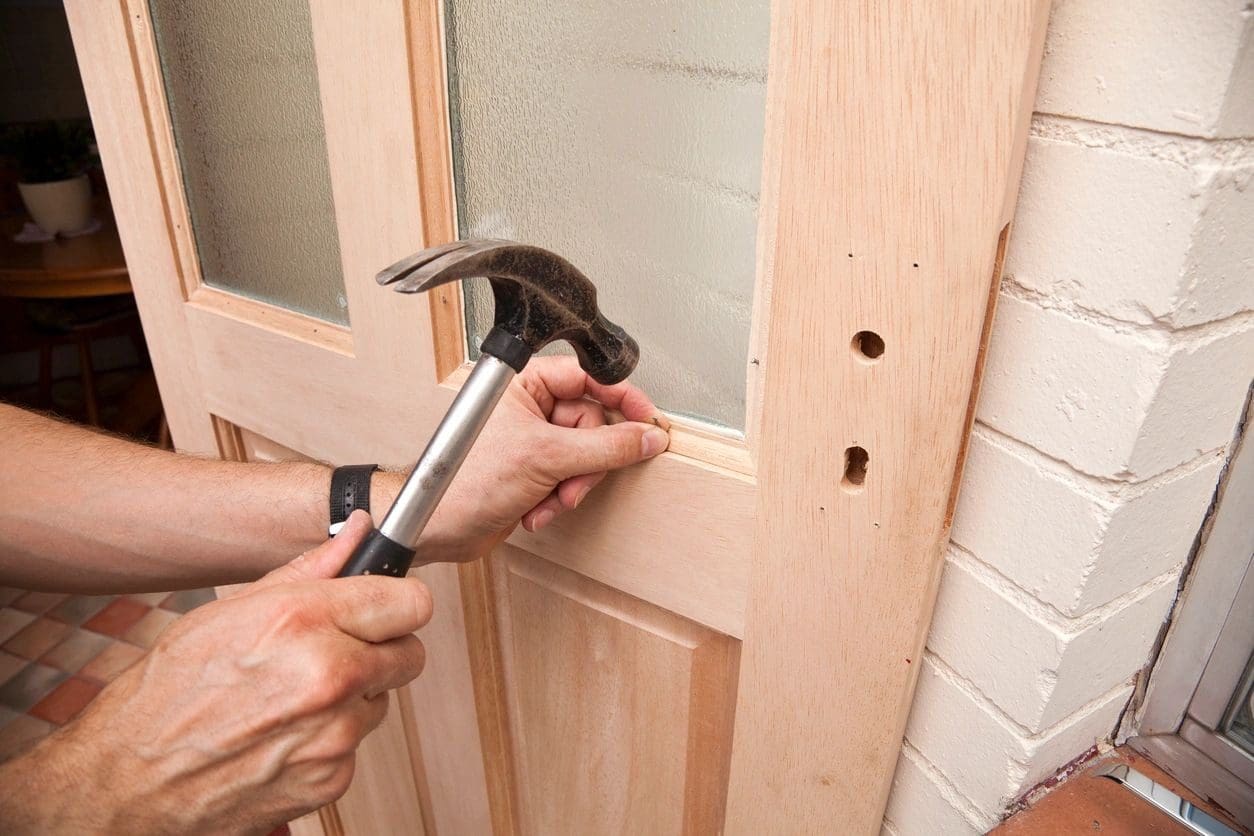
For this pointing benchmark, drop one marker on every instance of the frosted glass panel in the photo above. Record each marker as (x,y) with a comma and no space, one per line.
(626,136)
(243,95)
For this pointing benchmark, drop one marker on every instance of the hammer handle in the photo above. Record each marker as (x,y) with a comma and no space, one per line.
(390,549)
(379,554)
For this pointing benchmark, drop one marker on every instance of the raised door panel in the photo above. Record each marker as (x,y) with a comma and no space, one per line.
(620,712)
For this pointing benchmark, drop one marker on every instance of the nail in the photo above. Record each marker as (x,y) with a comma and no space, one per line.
(653,442)
(659,420)
(542,518)
(580,496)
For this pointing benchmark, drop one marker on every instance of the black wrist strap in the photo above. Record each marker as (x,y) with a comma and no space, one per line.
(350,490)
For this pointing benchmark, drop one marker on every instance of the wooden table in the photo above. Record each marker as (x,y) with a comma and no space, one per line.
(69,268)
(63,268)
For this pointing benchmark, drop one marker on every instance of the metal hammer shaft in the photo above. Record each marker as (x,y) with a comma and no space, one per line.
(390,549)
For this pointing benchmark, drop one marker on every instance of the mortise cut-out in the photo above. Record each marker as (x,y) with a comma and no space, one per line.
(856,459)
(868,346)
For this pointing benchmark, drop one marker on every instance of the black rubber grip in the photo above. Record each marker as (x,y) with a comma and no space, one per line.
(379,554)
(507,348)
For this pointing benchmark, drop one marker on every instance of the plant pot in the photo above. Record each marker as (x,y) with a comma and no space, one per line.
(59,206)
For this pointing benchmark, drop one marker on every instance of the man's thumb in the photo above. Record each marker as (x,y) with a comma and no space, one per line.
(592,450)
(325,560)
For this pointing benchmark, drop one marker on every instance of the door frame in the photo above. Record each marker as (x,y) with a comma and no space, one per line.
(895,136)
(1194,674)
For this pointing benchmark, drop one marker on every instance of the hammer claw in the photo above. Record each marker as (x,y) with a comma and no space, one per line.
(539,297)
(409,264)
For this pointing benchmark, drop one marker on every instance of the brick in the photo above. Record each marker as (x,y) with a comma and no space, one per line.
(918,804)
(1158,64)
(1036,667)
(1072,389)
(1107,230)
(1035,527)
(985,756)
(1198,400)
(1113,404)
(1072,544)
(1148,534)
(1216,281)
(1237,118)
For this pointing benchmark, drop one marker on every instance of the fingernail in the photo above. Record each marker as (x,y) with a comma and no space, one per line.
(659,420)
(580,496)
(542,518)
(653,442)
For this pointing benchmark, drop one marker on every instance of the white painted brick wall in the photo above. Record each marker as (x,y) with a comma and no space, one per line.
(1159,64)
(1119,362)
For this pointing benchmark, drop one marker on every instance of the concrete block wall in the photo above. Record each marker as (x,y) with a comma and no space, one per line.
(1118,368)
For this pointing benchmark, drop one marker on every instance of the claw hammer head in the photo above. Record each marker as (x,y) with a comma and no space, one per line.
(540,297)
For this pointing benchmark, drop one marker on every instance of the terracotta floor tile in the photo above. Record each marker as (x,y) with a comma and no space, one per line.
(116,658)
(18,736)
(80,648)
(30,686)
(11,621)
(10,665)
(117,618)
(38,602)
(187,600)
(150,599)
(37,638)
(78,608)
(1086,803)
(69,698)
(146,630)
(8,595)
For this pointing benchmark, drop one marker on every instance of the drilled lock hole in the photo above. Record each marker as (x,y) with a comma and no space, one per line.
(856,459)
(868,346)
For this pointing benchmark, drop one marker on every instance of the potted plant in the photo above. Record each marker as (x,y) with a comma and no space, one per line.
(52,160)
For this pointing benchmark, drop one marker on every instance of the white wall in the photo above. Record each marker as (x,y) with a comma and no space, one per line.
(1119,363)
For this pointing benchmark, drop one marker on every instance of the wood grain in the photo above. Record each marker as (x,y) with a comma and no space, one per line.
(898,131)
(621,711)
(105,50)
(424,23)
(673,531)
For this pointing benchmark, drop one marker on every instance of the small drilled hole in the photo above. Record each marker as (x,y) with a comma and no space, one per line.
(868,345)
(856,459)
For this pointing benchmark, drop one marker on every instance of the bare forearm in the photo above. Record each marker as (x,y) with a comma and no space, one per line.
(83,511)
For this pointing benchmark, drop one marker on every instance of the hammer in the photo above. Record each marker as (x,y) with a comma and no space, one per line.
(539,297)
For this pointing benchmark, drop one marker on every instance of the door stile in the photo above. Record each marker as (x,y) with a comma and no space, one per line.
(899,131)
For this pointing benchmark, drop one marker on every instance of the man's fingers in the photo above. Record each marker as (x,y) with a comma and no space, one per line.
(392,664)
(580,451)
(573,491)
(325,560)
(551,379)
(579,414)
(374,608)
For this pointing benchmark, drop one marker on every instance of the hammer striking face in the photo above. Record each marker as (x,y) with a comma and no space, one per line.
(539,297)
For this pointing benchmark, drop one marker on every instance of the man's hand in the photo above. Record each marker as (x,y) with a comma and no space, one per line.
(246,714)
(548,444)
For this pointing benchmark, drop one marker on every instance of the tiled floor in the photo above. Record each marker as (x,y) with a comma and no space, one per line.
(58,651)
(1086,803)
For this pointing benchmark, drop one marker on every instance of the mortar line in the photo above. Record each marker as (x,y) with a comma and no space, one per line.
(965,807)
(1108,490)
(1190,150)
(1046,613)
(1003,719)
(1155,332)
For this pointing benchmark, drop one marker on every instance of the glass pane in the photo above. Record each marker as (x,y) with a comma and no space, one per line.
(626,136)
(1239,724)
(243,94)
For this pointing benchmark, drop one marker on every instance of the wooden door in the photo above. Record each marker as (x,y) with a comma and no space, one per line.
(725,637)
